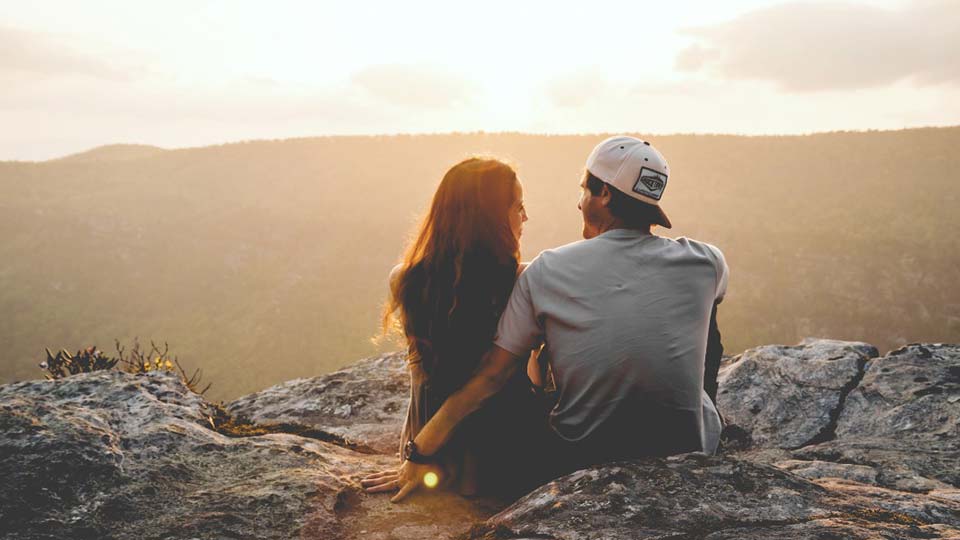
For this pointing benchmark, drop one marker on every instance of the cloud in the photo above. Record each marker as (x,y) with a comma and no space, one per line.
(590,87)
(576,89)
(29,56)
(833,46)
(90,112)
(414,85)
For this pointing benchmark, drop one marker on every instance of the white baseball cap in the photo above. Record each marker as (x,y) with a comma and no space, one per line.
(633,167)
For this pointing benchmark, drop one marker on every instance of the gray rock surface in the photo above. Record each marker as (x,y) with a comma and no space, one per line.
(843,446)
(364,403)
(788,397)
(114,455)
(816,469)
(911,392)
(695,496)
(903,420)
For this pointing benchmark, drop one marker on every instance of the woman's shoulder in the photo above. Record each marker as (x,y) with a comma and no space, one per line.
(394,278)
(521,267)
(395,274)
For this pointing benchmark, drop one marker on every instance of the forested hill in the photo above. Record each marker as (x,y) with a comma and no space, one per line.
(267,260)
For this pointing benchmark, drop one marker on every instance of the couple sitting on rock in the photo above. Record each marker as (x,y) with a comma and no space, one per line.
(617,332)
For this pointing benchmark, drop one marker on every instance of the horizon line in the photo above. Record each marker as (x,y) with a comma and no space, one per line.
(472,133)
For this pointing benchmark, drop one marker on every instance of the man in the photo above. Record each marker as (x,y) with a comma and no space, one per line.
(625,318)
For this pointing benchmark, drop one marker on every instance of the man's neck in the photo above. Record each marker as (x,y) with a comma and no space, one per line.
(619,224)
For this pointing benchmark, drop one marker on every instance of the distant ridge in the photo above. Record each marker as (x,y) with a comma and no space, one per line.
(265,261)
(122,151)
(112,152)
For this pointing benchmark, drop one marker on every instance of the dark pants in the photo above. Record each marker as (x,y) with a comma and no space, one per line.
(639,431)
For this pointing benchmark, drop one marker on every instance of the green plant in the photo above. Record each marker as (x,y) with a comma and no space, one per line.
(137,360)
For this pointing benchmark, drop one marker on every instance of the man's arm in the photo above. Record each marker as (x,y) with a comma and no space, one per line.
(714,346)
(713,358)
(495,370)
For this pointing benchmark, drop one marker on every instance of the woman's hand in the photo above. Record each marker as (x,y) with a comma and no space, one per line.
(406,479)
(381,481)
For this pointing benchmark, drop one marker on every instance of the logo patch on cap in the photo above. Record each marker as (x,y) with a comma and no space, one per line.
(650,183)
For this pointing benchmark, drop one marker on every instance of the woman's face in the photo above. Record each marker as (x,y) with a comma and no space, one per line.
(517,213)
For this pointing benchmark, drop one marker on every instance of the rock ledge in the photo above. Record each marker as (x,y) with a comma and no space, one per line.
(826,439)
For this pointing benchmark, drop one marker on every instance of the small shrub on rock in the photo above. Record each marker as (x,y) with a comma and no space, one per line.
(137,360)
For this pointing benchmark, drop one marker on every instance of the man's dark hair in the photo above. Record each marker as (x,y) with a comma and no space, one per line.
(634,214)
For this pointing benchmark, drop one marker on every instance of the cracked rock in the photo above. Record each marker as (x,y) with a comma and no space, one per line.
(903,420)
(788,397)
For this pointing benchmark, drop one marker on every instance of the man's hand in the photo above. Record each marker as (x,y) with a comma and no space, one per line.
(408,478)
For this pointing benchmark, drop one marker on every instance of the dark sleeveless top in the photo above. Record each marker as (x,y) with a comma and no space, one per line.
(483,454)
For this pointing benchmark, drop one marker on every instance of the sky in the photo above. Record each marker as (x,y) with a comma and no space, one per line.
(75,75)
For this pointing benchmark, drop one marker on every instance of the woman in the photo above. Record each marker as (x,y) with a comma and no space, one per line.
(446,297)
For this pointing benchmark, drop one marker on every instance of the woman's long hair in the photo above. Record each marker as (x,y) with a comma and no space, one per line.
(457,273)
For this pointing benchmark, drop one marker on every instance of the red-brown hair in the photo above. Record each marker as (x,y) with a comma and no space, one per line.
(457,273)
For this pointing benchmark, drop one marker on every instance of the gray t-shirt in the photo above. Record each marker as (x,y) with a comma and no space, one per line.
(623,318)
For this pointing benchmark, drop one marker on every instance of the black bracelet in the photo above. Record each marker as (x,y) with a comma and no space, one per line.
(412,454)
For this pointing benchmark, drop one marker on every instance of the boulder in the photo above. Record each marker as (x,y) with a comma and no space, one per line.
(695,496)
(903,420)
(913,392)
(844,445)
(790,397)
(115,455)
(365,403)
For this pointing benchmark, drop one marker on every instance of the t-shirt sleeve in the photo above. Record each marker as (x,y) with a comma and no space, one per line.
(723,272)
(519,330)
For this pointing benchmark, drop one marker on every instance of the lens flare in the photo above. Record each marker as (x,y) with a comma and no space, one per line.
(431,479)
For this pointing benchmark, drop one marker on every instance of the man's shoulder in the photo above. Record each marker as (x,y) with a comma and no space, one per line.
(569,250)
(715,256)
(701,247)
(562,254)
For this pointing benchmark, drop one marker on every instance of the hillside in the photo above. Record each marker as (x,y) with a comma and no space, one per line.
(265,261)
(113,152)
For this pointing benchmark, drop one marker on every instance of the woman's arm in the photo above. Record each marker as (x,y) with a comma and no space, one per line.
(387,480)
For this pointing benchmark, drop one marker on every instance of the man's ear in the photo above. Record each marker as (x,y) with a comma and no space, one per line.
(605,195)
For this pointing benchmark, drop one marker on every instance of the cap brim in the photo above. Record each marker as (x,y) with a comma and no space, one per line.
(664,220)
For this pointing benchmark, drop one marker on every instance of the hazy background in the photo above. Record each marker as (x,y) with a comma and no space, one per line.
(266,260)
